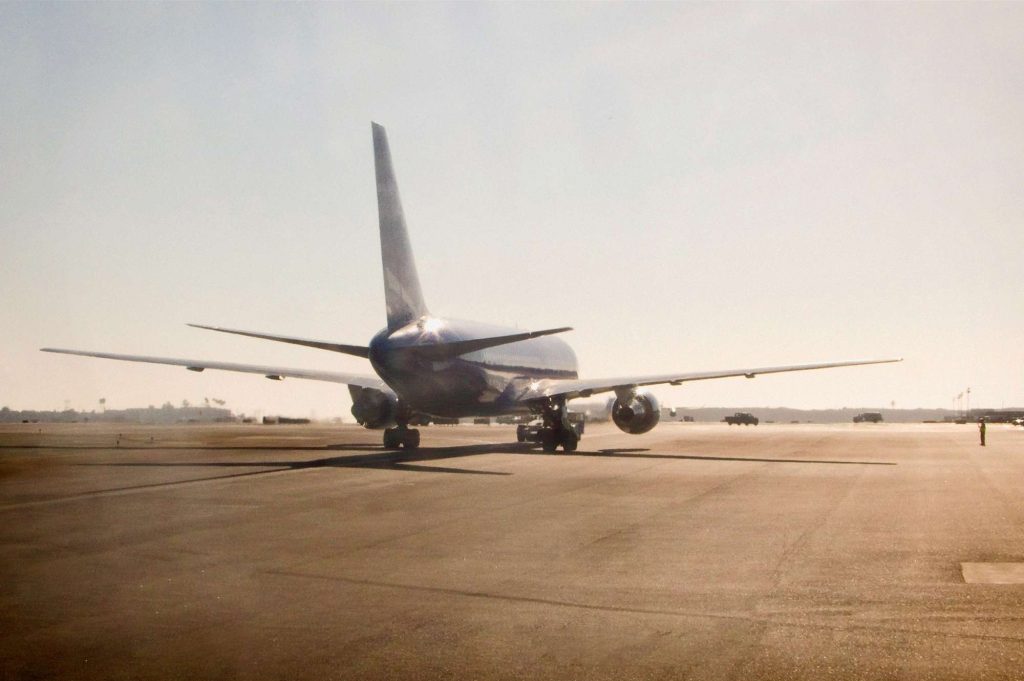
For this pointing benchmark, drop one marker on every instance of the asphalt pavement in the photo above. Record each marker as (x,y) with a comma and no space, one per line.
(697,551)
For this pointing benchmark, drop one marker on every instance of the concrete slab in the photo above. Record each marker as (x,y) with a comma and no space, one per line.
(993,573)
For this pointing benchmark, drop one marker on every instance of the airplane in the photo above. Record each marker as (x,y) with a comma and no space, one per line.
(429,366)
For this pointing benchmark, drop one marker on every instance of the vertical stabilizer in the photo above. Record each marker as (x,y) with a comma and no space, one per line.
(401,283)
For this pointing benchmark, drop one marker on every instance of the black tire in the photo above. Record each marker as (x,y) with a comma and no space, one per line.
(548,440)
(390,441)
(411,439)
(569,441)
(521,433)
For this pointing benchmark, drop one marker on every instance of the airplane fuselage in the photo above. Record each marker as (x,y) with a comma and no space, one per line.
(481,383)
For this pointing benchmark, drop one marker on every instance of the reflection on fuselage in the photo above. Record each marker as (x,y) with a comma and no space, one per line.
(485,382)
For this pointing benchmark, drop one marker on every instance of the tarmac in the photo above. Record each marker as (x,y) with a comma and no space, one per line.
(696,551)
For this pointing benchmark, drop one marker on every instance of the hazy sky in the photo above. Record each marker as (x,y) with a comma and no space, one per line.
(690,186)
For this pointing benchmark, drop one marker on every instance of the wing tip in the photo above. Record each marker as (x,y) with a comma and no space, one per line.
(549,332)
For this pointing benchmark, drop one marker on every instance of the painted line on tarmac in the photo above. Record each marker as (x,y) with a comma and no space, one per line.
(697,614)
(135,489)
(382,460)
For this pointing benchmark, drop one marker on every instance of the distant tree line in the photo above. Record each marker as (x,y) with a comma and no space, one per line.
(167,413)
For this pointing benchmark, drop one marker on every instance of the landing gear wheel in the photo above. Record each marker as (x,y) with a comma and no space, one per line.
(401,438)
(521,433)
(558,430)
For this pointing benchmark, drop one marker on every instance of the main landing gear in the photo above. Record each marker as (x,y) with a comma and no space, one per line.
(402,437)
(556,431)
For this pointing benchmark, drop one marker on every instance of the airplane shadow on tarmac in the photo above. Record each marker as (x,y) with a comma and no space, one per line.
(408,461)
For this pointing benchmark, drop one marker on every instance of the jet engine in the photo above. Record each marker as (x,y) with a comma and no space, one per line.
(372,408)
(636,413)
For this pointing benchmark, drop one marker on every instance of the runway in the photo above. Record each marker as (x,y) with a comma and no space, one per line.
(697,551)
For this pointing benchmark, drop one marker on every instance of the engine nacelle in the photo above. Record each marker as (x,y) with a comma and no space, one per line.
(638,414)
(372,408)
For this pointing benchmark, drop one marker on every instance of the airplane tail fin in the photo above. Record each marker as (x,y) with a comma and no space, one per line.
(401,282)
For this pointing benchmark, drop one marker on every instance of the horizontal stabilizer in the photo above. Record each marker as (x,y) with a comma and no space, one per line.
(439,351)
(357,350)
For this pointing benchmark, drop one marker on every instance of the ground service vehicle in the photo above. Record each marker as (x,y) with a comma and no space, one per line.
(868,417)
(741,418)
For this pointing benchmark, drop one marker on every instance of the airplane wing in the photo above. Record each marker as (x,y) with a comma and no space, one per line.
(572,388)
(274,373)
